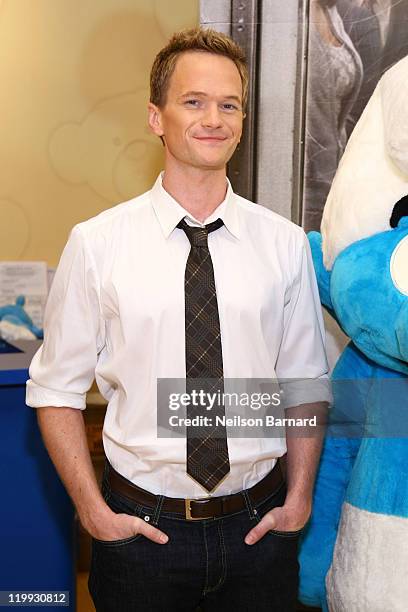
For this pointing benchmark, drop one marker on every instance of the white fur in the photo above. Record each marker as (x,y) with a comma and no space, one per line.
(370,563)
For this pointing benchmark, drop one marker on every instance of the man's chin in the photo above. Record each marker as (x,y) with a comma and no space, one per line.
(213,163)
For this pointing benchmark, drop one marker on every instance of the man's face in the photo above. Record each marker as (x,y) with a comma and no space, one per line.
(201,121)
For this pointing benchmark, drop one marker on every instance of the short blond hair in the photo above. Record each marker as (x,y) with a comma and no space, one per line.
(196,39)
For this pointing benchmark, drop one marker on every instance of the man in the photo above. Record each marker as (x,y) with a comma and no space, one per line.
(127,305)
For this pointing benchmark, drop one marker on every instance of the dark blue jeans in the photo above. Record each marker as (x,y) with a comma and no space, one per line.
(205,565)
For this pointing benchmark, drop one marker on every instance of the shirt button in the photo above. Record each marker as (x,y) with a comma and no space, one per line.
(147,518)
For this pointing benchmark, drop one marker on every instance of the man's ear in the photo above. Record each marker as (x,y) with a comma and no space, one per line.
(155,120)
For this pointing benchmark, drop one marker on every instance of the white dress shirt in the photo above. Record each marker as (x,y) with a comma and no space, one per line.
(116,311)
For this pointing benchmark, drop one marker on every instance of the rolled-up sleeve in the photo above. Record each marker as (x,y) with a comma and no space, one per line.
(62,370)
(302,364)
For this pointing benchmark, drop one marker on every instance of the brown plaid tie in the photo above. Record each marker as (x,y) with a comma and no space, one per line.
(207,450)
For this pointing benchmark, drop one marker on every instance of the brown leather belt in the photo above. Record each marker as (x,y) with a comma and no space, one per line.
(201,508)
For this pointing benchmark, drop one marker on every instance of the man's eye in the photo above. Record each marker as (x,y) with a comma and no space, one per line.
(229,107)
(193,103)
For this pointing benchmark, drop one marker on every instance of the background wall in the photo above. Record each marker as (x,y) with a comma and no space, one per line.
(74,87)
(272,33)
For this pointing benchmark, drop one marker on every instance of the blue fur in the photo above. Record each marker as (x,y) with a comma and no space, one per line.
(359,463)
(366,301)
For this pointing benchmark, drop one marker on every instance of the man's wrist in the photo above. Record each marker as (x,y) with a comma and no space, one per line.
(92,519)
(299,509)
(299,500)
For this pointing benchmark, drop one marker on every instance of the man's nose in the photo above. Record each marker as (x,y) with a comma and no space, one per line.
(212,117)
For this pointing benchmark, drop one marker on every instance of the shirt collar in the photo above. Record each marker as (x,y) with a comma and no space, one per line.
(169,212)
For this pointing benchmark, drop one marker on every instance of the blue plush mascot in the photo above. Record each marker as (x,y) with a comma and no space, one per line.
(354,553)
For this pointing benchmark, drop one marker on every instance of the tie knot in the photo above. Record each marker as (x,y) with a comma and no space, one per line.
(198,235)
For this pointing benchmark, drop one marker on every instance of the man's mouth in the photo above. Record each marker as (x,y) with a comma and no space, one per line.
(211,138)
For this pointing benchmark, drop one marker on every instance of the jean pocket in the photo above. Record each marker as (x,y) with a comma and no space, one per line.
(122,542)
(120,505)
(275,500)
(285,534)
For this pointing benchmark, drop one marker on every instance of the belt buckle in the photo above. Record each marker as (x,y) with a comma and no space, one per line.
(187,503)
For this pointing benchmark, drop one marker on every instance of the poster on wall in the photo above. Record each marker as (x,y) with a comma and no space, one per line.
(351,43)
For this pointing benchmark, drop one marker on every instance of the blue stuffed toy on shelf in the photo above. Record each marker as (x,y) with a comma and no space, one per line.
(15,323)
(354,552)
